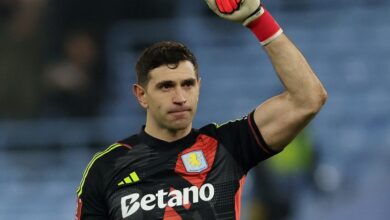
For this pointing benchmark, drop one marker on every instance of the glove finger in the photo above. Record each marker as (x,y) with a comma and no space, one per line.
(220,6)
(233,4)
(226,5)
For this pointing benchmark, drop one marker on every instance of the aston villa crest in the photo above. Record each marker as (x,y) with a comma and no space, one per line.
(194,161)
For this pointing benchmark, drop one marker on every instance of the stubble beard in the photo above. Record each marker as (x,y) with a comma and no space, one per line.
(177,125)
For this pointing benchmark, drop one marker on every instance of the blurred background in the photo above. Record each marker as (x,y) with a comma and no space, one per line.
(67,66)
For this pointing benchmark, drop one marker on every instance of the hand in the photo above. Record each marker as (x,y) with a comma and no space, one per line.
(251,14)
(242,11)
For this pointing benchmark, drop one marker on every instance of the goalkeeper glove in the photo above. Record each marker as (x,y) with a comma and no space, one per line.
(251,14)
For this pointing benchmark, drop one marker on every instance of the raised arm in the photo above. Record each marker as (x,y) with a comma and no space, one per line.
(281,117)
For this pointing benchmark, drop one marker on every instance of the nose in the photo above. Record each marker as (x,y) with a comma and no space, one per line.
(179,98)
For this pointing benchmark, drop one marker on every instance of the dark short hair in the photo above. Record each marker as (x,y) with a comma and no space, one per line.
(162,53)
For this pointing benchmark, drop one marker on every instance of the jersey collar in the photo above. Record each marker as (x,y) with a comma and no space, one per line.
(153,142)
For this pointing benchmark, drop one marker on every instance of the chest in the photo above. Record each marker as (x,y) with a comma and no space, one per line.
(198,181)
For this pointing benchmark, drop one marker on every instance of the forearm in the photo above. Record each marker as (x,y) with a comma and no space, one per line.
(302,86)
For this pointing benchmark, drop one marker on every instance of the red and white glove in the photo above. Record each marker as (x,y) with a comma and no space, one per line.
(251,14)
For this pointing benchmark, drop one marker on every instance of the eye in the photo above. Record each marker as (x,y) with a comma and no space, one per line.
(165,85)
(188,83)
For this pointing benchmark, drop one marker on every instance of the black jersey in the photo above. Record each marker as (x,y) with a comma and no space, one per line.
(199,176)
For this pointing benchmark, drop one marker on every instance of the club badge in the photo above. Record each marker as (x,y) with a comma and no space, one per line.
(194,161)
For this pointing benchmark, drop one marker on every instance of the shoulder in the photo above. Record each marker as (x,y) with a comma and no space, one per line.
(215,129)
(103,159)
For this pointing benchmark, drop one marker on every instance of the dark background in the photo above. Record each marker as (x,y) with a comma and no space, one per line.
(67,66)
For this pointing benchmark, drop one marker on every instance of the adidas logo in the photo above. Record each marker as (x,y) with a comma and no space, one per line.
(132,178)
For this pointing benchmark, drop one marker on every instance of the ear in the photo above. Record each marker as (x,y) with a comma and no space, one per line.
(139,92)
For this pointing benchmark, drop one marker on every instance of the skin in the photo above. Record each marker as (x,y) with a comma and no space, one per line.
(279,118)
(170,99)
(282,117)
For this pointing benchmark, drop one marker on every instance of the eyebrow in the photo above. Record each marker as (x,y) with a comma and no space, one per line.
(172,83)
(189,81)
(165,83)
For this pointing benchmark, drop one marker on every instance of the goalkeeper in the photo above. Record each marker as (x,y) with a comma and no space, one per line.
(170,170)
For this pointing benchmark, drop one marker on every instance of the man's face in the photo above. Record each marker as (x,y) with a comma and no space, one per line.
(171,96)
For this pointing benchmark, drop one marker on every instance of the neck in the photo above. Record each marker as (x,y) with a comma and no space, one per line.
(167,134)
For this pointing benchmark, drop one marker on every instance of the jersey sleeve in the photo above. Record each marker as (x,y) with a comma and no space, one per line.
(243,139)
(90,196)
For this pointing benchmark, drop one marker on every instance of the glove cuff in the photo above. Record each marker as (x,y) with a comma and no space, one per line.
(265,28)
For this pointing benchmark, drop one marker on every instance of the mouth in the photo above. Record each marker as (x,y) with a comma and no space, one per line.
(178,111)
